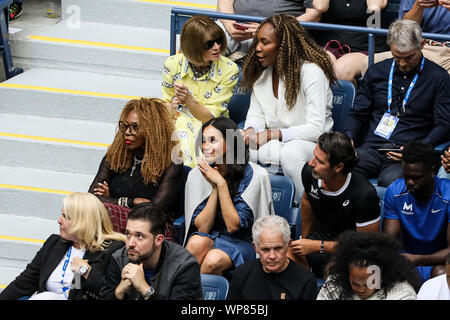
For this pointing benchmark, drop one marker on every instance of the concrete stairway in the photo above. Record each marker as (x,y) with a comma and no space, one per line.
(58,117)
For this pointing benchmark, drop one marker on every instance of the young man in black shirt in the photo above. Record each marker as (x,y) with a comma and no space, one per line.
(273,276)
(335,200)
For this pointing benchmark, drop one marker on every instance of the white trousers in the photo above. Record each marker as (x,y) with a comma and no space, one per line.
(291,155)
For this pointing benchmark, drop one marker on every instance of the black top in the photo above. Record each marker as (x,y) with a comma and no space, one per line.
(426,113)
(355,204)
(251,282)
(165,195)
(353,13)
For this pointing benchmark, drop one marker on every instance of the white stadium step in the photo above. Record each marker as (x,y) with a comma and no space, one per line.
(54,144)
(72,95)
(140,13)
(95,47)
(35,192)
(20,240)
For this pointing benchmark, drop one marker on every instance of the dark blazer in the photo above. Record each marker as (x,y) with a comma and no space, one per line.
(37,272)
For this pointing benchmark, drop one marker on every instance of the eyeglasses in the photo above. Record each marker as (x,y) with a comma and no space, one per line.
(209,44)
(124,126)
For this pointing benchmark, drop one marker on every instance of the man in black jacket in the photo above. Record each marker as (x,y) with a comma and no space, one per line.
(150,267)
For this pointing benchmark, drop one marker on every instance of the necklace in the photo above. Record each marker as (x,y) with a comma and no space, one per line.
(198,72)
(136,162)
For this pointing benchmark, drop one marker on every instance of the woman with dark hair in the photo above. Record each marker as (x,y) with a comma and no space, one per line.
(225,194)
(138,166)
(368,266)
(290,78)
(198,82)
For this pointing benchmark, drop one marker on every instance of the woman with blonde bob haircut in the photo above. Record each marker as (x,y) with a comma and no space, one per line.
(70,265)
(198,82)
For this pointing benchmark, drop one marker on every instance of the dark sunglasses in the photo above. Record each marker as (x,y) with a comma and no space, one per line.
(209,44)
(124,126)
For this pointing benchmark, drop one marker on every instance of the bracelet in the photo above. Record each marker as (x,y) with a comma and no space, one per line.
(321,247)
(123,201)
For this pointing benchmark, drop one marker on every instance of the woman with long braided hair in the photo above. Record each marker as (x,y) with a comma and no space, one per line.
(291,102)
(138,165)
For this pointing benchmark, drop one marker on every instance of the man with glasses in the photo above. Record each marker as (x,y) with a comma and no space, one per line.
(400,99)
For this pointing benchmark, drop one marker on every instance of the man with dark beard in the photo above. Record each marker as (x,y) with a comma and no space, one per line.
(335,200)
(149,267)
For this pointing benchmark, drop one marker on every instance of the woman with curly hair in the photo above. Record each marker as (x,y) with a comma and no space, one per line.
(368,266)
(291,101)
(138,165)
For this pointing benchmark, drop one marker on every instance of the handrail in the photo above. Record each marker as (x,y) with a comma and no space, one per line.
(175,12)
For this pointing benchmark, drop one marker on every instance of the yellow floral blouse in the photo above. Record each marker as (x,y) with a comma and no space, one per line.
(213,90)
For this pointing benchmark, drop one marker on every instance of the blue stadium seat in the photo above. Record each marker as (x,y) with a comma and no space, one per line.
(214,287)
(5,49)
(238,106)
(343,96)
(283,194)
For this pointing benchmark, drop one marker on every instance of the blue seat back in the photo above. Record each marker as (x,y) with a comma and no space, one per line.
(238,106)
(283,195)
(343,97)
(214,287)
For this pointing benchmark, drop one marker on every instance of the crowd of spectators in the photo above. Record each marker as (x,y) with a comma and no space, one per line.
(183,155)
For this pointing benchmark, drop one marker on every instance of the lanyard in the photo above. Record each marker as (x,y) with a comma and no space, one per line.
(408,93)
(66,263)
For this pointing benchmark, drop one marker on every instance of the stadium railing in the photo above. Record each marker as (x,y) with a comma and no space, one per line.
(180,15)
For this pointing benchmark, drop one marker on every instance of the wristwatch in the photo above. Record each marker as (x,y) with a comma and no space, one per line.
(150,291)
(83,269)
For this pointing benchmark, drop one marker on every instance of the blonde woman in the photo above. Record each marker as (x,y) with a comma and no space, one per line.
(70,265)
(198,83)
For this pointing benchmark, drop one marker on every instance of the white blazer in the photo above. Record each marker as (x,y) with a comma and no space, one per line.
(309,117)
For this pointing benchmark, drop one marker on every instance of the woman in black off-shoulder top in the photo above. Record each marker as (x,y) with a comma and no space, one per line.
(138,166)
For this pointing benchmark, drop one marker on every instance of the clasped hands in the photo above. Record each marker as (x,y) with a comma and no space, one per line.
(132,276)
(211,174)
